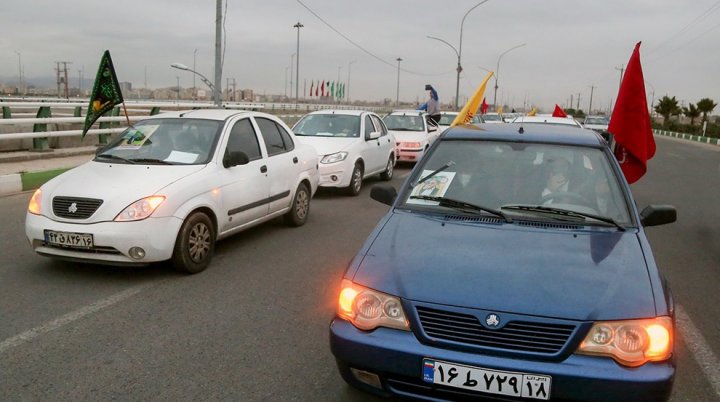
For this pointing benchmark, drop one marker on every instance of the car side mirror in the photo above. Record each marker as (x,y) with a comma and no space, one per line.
(235,158)
(384,193)
(654,215)
(372,136)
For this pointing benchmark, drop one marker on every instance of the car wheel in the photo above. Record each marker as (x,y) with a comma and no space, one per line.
(195,244)
(300,208)
(388,173)
(355,181)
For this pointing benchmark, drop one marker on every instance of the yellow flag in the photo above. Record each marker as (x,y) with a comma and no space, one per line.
(500,110)
(470,108)
(532,112)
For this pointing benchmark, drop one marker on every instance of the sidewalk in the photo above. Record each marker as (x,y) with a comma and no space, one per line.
(27,170)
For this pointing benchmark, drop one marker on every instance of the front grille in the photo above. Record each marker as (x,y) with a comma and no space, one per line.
(522,336)
(75,207)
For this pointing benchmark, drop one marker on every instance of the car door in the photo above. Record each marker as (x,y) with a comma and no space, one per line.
(386,140)
(371,151)
(243,188)
(283,166)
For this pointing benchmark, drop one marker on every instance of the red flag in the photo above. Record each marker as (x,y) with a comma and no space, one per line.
(311,87)
(322,89)
(559,112)
(317,89)
(630,122)
(483,107)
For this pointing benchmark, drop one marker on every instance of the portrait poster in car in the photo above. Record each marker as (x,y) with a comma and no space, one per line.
(434,185)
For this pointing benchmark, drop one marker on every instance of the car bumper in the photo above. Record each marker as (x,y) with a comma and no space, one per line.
(409,154)
(111,240)
(336,174)
(397,357)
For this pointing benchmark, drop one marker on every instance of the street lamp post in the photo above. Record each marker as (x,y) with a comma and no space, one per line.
(218,52)
(458,51)
(397,95)
(204,79)
(497,70)
(177,97)
(19,70)
(337,84)
(347,96)
(297,62)
(292,71)
(194,87)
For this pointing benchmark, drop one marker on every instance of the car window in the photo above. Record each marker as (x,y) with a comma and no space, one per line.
(497,174)
(243,139)
(447,119)
(368,127)
(328,125)
(379,125)
(401,122)
(272,136)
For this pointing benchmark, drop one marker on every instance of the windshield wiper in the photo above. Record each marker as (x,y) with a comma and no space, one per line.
(563,212)
(119,158)
(151,160)
(402,129)
(462,205)
(426,178)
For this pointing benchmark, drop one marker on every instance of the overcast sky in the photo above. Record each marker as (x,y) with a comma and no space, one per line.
(571,45)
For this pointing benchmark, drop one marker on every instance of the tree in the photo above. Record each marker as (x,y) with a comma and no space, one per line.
(691,112)
(706,106)
(667,107)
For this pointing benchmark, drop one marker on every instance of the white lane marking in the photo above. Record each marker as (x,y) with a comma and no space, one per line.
(61,321)
(700,349)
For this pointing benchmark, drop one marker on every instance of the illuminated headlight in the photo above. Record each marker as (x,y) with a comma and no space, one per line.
(631,343)
(368,309)
(410,145)
(35,202)
(140,209)
(336,157)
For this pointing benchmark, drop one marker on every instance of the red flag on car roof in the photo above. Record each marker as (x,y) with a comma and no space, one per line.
(630,122)
(483,107)
(559,112)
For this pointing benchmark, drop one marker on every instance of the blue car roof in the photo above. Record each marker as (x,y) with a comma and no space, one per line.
(537,133)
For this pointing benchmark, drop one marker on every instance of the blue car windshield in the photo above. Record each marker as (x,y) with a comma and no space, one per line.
(173,141)
(503,175)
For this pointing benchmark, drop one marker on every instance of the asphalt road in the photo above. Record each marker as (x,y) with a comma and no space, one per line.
(254,326)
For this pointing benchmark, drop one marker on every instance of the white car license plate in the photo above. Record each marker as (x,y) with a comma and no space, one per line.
(84,240)
(479,379)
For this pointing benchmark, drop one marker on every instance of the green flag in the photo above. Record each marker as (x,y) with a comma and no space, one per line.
(105,94)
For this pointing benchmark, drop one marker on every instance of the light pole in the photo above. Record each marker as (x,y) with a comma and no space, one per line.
(497,69)
(397,95)
(177,97)
(297,61)
(592,89)
(194,87)
(19,70)
(347,96)
(458,51)
(218,52)
(204,79)
(292,70)
(286,80)
(337,84)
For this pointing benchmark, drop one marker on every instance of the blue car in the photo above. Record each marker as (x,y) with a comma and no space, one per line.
(513,264)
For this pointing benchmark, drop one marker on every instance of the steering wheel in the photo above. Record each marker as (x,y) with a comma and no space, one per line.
(579,198)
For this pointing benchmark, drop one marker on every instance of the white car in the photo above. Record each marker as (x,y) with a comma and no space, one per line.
(413,134)
(492,118)
(547,119)
(446,119)
(352,145)
(170,186)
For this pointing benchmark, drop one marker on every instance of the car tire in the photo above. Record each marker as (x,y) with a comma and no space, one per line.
(300,207)
(355,181)
(195,244)
(387,175)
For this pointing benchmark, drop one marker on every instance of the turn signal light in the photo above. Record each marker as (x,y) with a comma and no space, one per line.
(368,309)
(35,200)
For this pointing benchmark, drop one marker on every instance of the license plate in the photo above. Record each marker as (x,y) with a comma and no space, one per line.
(68,239)
(479,379)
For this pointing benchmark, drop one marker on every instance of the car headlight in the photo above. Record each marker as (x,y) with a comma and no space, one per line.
(336,157)
(35,202)
(368,309)
(411,145)
(140,209)
(631,343)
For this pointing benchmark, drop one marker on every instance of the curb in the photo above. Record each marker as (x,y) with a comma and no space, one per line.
(19,182)
(689,137)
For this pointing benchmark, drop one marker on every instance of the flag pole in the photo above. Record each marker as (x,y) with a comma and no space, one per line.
(126,114)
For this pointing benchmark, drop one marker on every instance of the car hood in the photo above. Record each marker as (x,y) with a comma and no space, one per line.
(118,185)
(409,136)
(560,273)
(328,145)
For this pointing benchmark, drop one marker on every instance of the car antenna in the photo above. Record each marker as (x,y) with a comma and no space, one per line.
(521,130)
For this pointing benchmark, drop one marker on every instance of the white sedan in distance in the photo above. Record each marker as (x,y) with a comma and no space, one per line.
(413,134)
(352,144)
(446,119)
(548,119)
(170,186)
